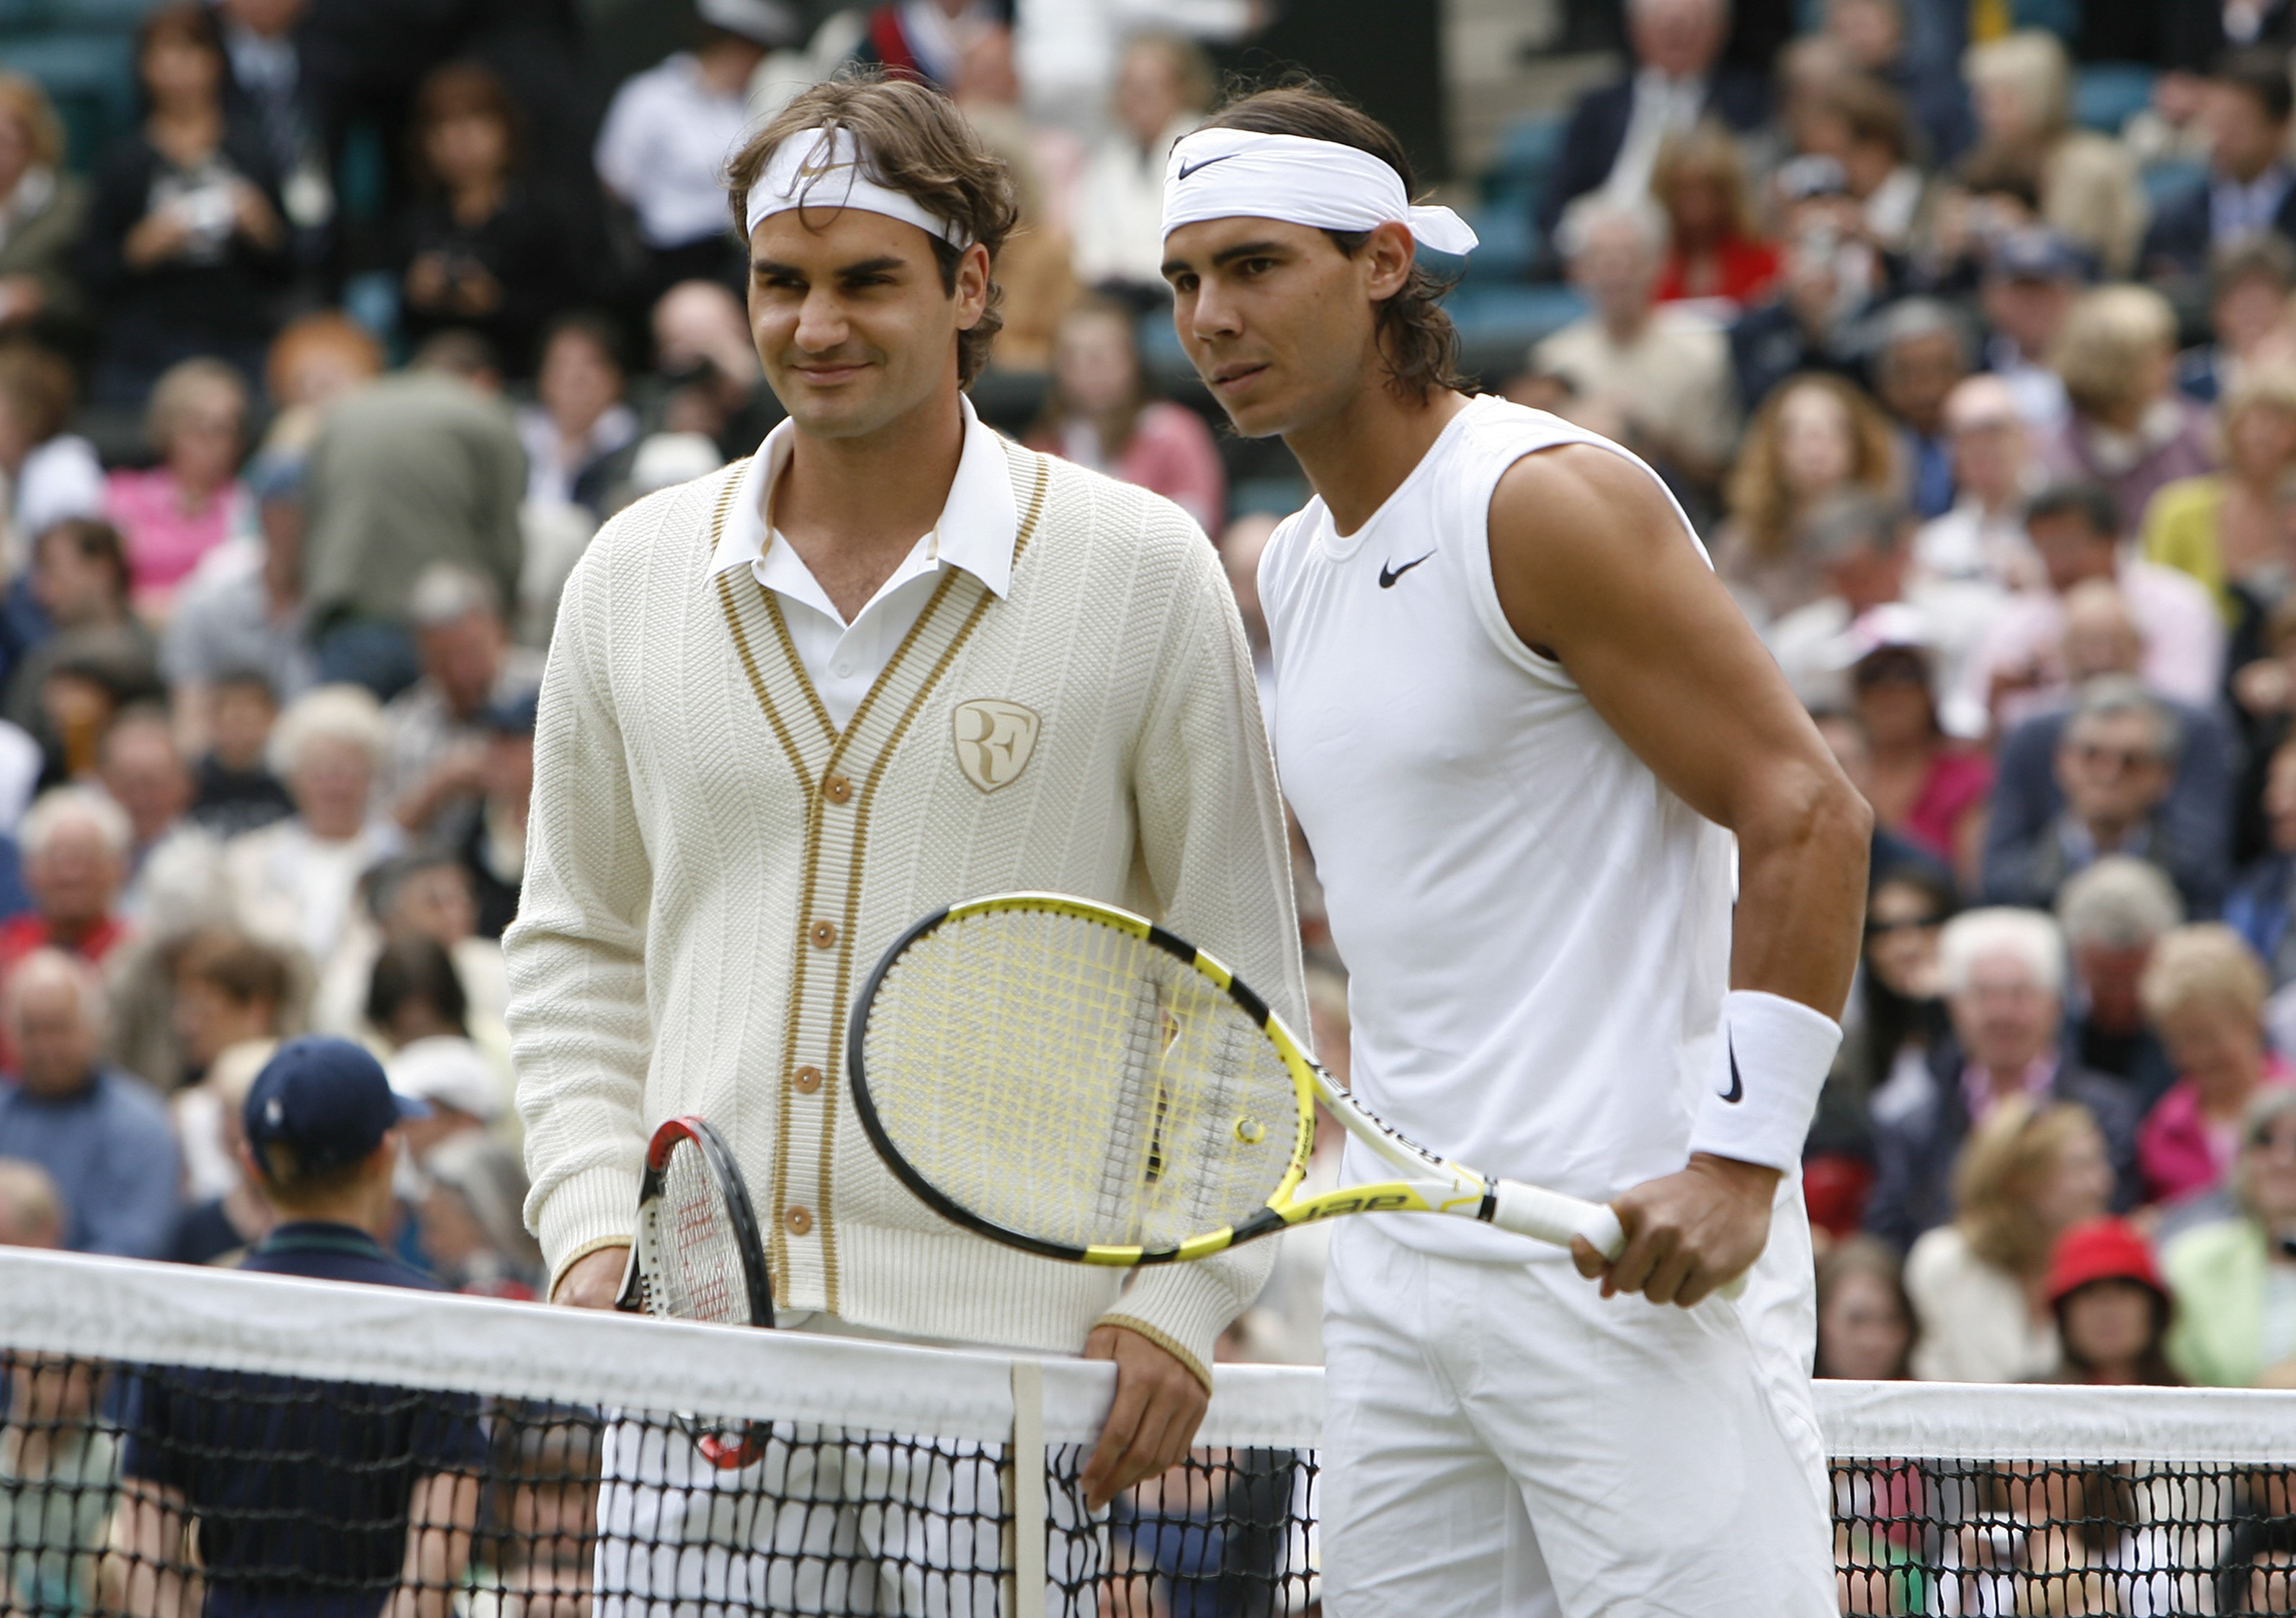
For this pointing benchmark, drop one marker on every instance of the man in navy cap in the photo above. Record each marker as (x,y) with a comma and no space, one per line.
(310,1498)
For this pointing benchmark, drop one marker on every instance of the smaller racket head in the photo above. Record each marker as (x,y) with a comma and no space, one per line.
(698,1254)
(1067,1078)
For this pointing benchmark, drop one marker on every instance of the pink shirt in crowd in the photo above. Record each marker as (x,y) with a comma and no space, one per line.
(2183,645)
(164,541)
(1171,454)
(2179,1153)
(1957,783)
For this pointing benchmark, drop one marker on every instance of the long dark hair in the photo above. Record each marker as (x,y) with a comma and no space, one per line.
(1415,331)
(1892,1019)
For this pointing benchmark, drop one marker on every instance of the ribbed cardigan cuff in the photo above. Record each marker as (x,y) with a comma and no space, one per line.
(1182,1309)
(589,1210)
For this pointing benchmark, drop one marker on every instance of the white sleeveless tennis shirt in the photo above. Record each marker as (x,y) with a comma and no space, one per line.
(1536,929)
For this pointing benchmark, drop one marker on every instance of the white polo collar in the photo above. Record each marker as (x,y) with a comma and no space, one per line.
(977,530)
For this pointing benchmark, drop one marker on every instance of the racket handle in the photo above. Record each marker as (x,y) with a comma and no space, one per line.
(1549,1216)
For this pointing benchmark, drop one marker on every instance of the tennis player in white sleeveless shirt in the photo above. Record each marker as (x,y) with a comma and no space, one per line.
(1538,933)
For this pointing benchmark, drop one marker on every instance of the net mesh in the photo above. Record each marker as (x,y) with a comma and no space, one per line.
(180,1442)
(1068,1081)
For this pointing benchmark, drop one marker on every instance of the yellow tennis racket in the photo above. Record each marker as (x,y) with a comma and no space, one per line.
(1071,1078)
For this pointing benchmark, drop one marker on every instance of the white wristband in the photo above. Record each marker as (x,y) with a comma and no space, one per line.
(1771,1057)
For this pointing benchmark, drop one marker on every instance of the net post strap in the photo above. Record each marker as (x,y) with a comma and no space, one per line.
(1026,1466)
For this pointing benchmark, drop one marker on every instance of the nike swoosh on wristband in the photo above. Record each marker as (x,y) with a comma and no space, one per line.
(1736,1093)
(1188,168)
(1389,574)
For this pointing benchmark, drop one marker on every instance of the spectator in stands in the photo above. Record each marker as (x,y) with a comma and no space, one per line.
(2032,1170)
(2249,285)
(2262,902)
(2114,764)
(2032,279)
(2205,993)
(1874,37)
(140,769)
(359,1491)
(467,1222)
(2229,528)
(187,251)
(1715,248)
(1813,323)
(419,898)
(60,1459)
(2114,914)
(1861,125)
(229,990)
(174,514)
(1982,535)
(31,1209)
(703,352)
(2128,428)
(2101,638)
(489,834)
(294,880)
(433,731)
(2112,1310)
(1667,372)
(1164,86)
(314,361)
(418,468)
(2248,189)
(662,149)
(235,791)
(1101,412)
(1864,1320)
(1815,436)
(2020,88)
(1923,785)
(100,1134)
(2226,1274)
(51,475)
(76,847)
(41,210)
(1613,139)
(1898,1016)
(578,432)
(927,40)
(242,610)
(270,91)
(2002,974)
(2020,668)
(226,1213)
(1921,352)
(486,247)
(415,1002)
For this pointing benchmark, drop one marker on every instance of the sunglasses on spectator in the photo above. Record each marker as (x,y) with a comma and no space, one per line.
(1909,924)
(1900,670)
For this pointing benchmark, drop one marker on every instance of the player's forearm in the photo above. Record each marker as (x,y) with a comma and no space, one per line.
(1802,853)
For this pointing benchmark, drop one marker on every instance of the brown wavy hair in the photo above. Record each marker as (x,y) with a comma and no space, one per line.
(920,144)
(2003,1164)
(1420,344)
(1760,499)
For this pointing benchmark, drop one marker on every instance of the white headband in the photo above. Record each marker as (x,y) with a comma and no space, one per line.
(821,168)
(1222,174)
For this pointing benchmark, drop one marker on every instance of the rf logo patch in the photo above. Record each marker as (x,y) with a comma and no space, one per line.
(994,740)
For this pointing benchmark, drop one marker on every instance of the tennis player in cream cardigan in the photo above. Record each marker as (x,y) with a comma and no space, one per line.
(889,661)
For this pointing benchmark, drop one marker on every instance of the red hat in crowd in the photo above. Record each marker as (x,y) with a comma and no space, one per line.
(2102,1249)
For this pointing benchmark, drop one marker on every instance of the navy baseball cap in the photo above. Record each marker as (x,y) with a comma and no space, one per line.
(326,1100)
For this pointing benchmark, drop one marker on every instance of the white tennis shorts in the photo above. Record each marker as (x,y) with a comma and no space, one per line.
(1501,1440)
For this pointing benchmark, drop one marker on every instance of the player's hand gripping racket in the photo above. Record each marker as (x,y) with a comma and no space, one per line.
(697,1256)
(1070,1078)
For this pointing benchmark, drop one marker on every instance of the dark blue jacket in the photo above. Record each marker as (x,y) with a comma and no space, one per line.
(1598,128)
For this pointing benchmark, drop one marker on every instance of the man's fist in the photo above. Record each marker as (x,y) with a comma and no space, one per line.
(594,1280)
(1688,1233)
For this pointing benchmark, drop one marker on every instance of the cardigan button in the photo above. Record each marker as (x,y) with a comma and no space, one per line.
(808,1080)
(823,934)
(798,1220)
(837,789)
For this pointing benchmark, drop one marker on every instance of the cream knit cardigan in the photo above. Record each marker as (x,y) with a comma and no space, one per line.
(712,869)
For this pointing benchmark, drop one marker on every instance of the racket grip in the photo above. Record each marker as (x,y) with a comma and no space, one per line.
(1549,1216)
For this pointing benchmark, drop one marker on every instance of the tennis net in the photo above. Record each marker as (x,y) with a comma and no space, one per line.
(192,1441)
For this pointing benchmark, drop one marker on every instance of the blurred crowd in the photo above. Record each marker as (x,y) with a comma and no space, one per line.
(1963,332)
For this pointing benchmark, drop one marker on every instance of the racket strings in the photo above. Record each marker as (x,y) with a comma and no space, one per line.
(700,1275)
(1070,1082)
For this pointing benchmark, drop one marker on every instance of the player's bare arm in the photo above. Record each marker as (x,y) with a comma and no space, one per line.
(1592,568)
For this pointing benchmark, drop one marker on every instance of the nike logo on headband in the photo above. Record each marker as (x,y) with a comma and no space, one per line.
(1188,168)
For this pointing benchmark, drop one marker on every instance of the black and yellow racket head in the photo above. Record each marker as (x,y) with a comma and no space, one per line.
(1070,1078)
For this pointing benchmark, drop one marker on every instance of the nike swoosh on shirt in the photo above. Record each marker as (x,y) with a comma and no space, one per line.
(1188,168)
(1736,1093)
(1388,572)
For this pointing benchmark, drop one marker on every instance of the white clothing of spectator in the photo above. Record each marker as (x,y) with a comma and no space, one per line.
(1666,370)
(59,479)
(1163,86)
(294,880)
(1982,536)
(663,146)
(1067,50)
(432,734)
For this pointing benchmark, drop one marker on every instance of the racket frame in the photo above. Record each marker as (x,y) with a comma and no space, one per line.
(1436,1185)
